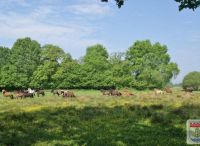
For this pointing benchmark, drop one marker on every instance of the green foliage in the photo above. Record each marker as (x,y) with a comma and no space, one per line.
(191,4)
(51,58)
(150,65)
(120,70)
(28,65)
(95,68)
(67,75)
(23,60)
(192,80)
(4,55)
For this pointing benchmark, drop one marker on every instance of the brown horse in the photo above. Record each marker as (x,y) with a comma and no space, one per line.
(40,92)
(68,94)
(7,94)
(19,94)
(168,90)
(56,92)
(23,94)
(31,95)
(115,93)
(127,92)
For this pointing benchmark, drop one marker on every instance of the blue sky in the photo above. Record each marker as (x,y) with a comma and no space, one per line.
(76,24)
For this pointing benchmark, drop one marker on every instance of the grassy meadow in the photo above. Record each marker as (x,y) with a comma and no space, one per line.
(91,119)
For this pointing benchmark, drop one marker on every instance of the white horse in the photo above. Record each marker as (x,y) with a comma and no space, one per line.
(31,91)
(158,91)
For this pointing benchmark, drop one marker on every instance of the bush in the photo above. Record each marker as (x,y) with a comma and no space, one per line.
(192,80)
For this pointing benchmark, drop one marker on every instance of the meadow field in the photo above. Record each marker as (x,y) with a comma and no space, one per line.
(91,119)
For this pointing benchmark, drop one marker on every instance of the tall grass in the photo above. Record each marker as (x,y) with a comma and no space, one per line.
(95,120)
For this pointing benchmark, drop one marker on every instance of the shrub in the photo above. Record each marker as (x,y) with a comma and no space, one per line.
(192,80)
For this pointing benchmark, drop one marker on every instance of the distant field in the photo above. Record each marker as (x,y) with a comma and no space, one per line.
(91,119)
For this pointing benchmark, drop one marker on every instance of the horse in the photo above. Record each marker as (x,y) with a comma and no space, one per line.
(168,90)
(115,93)
(7,94)
(127,92)
(56,92)
(158,91)
(105,92)
(68,93)
(19,94)
(23,94)
(31,95)
(40,92)
(189,89)
(31,91)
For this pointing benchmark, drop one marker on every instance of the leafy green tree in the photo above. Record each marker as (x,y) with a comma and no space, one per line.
(23,60)
(95,68)
(192,79)
(4,56)
(150,65)
(120,70)
(67,74)
(51,58)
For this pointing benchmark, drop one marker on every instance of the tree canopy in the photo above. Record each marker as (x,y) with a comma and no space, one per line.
(192,79)
(150,64)
(183,4)
(143,65)
(24,58)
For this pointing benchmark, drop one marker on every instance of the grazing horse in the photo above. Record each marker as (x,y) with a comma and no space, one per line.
(19,94)
(31,95)
(7,94)
(23,94)
(189,89)
(105,92)
(127,92)
(158,91)
(68,94)
(115,93)
(31,91)
(40,92)
(168,90)
(56,92)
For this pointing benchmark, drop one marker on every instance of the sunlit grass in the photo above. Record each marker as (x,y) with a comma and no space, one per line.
(92,119)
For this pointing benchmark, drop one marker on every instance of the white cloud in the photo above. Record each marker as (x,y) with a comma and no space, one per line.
(23,3)
(49,24)
(89,9)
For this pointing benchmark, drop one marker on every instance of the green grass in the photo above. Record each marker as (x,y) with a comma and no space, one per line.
(91,119)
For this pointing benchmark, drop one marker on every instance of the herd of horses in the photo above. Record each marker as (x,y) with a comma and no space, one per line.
(113,92)
(64,93)
(126,92)
(67,93)
(23,93)
(169,90)
(31,93)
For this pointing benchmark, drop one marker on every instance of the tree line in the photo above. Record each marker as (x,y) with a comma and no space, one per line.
(28,64)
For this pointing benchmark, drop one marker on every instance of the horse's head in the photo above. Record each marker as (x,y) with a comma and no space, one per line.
(3,91)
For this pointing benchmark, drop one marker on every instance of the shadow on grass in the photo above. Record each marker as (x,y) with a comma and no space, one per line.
(91,126)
